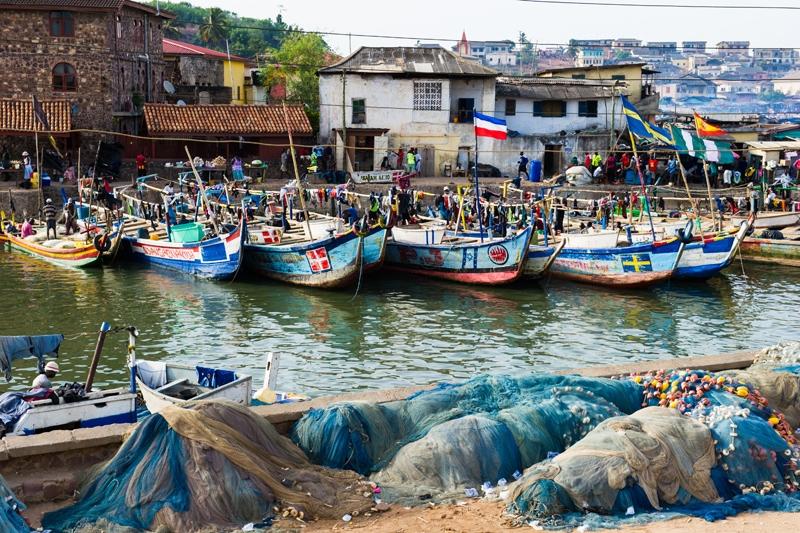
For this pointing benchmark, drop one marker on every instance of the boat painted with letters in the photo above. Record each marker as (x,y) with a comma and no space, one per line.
(467,260)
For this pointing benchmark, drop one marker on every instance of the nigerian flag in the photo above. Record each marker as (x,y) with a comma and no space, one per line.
(687,142)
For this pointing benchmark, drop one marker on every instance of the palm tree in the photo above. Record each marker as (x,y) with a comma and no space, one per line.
(171,31)
(214,29)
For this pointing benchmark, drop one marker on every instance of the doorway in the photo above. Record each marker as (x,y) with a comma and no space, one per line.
(553,159)
(364,154)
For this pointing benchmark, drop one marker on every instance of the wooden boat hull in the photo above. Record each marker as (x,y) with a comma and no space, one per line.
(330,263)
(217,259)
(374,252)
(626,267)
(782,252)
(101,409)
(768,220)
(82,256)
(494,262)
(420,235)
(707,257)
(540,259)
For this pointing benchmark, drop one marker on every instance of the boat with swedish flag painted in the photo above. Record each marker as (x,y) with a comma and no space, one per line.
(624,267)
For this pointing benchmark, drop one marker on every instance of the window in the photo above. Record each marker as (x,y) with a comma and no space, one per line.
(466,107)
(427,96)
(511,107)
(587,108)
(618,77)
(359,111)
(550,108)
(64,78)
(579,76)
(61,24)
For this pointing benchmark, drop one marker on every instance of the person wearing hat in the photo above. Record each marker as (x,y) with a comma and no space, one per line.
(27,166)
(70,222)
(49,213)
(42,381)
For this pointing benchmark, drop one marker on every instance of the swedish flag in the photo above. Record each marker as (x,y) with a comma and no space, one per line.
(642,128)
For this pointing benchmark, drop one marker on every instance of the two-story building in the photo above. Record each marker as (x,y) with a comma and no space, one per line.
(776,58)
(590,57)
(694,47)
(733,48)
(492,53)
(380,99)
(687,86)
(661,48)
(103,57)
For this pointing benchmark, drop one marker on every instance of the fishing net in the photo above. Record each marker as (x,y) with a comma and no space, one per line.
(542,413)
(208,464)
(10,507)
(719,438)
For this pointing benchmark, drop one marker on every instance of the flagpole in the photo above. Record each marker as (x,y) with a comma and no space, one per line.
(708,181)
(477,195)
(641,181)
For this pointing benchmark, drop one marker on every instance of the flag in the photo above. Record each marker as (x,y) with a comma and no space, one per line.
(642,128)
(41,116)
(704,129)
(486,126)
(687,142)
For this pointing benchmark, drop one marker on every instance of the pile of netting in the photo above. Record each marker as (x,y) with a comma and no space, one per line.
(209,465)
(456,436)
(11,520)
(700,439)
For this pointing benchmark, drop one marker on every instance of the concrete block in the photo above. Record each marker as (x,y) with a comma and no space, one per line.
(44,443)
(100,436)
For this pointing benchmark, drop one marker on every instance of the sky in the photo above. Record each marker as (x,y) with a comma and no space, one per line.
(433,20)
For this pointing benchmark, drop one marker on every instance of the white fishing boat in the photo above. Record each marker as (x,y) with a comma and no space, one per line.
(100,408)
(164,384)
(419,233)
(594,239)
(769,220)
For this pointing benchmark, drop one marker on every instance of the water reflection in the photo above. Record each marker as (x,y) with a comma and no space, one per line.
(396,331)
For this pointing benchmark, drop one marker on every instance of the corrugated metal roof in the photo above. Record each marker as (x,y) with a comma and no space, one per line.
(408,61)
(553,88)
(180,48)
(208,120)
(17,115)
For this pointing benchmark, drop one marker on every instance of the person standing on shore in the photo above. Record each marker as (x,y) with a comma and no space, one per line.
(141,165)
(49,212)
(27,167)
(411,161)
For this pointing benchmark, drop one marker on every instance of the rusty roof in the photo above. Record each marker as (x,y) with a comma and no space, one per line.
(409,61)
(225,119)
(553,88)
(84,5)
(17,115)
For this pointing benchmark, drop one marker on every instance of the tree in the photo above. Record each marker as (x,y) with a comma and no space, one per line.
(295,67)
(171,30)
(526,56)
(215,27)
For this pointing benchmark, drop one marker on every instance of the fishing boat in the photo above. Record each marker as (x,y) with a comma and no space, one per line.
(707,255)
(623,267)
(541,258)
(68,251)
(165,384)
(770,220)
(186,248)
(464,259)
(332,262)
(421,233)
(41,410)
(775,251)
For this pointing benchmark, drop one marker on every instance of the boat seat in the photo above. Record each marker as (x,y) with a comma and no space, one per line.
(172,384)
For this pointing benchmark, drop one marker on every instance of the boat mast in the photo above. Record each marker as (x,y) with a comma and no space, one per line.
(307,225)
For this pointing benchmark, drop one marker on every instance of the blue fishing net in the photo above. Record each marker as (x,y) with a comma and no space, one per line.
(214,465)
(10,518)
(543,413)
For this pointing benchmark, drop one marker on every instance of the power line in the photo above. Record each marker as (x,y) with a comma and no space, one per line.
(671,6)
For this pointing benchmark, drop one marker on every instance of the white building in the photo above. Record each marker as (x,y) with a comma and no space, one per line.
(589,57)
(788,84)
(401,98)
(494,53)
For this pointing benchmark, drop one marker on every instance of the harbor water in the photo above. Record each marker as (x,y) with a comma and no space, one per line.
(396,331)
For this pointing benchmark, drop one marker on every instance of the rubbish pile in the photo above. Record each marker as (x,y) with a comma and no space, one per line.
(210,464)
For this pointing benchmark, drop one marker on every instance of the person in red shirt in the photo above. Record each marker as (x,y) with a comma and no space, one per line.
(587,161)
(611,168)
(141,165)
(626,161)
(652,168)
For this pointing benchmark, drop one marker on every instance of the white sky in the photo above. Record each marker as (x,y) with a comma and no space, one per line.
(543,23)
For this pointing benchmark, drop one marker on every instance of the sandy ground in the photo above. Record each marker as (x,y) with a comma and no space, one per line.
(487,517)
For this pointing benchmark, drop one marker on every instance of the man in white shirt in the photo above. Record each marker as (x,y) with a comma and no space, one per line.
(726,176)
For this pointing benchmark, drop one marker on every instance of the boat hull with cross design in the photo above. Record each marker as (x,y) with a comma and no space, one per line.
(626,267)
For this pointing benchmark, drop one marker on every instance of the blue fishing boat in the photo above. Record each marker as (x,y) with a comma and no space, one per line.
(541,258)
(331,262)
(624,267)
(465,260)
(706,255)
(188,249)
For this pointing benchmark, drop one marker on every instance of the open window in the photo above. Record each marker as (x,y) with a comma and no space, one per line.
(587,108)
(511,107)
(550,108)
(359,111)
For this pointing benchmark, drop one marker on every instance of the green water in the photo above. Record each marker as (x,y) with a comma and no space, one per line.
(397,331)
